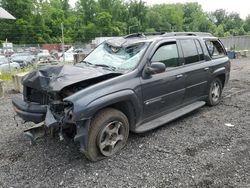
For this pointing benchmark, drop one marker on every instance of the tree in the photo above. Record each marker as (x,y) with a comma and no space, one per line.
(246,25)
(220,16)
(19,8)
(103,23)
(39,21)
(233,21)
(88,10)
(220,31)
(137,11)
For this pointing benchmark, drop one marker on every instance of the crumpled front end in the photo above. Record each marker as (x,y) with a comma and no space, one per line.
(53,116)
(40,107)
(45,89)
(44,93)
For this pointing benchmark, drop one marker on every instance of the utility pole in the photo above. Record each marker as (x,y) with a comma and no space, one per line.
(63,42)
(6,47)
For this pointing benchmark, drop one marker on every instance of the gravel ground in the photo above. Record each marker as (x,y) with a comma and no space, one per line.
(197,150)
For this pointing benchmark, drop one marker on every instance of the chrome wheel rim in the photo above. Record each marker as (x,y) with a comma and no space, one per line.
(215,93)
(111,138)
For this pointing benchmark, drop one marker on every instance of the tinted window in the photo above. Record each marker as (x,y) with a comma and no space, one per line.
(215,49)
(200,51)
(190,51)
(167,54)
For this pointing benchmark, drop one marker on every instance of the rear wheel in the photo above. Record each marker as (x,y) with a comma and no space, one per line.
(108,134)
(215,91)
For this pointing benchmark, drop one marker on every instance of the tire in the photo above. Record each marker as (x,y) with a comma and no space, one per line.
(214,93)
(108,134)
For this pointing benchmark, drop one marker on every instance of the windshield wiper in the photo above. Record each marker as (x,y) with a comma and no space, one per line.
(105,66)
(99,65)
(86,62)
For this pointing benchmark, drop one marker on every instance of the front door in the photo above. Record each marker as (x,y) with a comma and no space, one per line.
(163,91)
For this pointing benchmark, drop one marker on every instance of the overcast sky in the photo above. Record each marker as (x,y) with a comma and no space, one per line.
(240,6)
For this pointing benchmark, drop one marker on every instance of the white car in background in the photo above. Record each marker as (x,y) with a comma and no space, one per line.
(5,66)
(68,55)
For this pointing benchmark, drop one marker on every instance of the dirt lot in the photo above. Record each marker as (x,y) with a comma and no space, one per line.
(198,150)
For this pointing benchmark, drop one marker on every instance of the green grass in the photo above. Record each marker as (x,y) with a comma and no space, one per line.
(8,75)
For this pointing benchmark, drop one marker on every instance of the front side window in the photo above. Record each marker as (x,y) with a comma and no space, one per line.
(190,51)
(119,58)
(167,54)
(215,49)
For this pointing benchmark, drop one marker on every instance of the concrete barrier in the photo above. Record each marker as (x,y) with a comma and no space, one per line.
(17,81)
(1,89)
(79,57)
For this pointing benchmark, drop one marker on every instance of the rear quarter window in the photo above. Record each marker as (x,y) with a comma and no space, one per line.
(215,48)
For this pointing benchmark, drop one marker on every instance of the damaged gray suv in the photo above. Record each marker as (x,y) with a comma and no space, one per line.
(133,83)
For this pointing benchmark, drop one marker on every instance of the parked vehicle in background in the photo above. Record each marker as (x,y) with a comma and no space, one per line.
(5,66)
(23,61)
(68,55)
(43,55)
(24,58)
(20,54)
(3,59)
(79,50)
(133,83)
(46,62)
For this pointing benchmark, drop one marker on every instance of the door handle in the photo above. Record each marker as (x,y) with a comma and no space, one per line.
(206,69)
(179,76)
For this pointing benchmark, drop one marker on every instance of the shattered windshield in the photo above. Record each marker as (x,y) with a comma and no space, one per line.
(119,58)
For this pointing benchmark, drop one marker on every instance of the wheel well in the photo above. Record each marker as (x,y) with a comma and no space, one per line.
(222,78)
(128,109)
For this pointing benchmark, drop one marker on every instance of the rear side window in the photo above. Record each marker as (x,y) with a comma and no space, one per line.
(215,49)
(167,54)
(200,51)
(190,51)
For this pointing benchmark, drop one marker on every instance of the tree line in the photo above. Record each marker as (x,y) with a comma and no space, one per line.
(39,21)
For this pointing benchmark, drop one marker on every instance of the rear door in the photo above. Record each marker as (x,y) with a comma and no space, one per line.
(163,91)
(196,69)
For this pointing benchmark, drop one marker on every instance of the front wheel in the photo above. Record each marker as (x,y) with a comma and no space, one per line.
(108,134)
(215,91)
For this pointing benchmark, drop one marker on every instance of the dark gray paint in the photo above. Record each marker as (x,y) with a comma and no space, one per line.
(151,96)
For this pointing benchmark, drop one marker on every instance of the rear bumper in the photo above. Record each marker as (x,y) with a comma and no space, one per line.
(30,112)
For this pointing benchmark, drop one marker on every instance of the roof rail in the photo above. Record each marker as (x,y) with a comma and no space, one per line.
(154,33)
(143,34)
(201,34)
(134,35)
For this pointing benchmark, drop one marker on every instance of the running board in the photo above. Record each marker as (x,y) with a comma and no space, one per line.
(169,117)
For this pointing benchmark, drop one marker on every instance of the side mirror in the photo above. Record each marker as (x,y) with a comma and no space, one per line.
(155,67)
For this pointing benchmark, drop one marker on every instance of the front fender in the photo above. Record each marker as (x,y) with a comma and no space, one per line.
(92,107)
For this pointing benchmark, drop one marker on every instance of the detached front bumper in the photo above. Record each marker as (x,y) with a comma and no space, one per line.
(28,111)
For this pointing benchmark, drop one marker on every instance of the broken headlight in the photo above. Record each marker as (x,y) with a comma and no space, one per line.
(61,108)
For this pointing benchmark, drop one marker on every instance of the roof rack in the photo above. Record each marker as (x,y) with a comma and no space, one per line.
(144,34)
(201,34)
(154,33)
(134,35)
(164,34)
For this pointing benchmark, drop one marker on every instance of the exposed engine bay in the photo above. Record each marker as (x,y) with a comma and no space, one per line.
(50,85)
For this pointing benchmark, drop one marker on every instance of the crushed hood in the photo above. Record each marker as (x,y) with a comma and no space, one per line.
(55,78)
